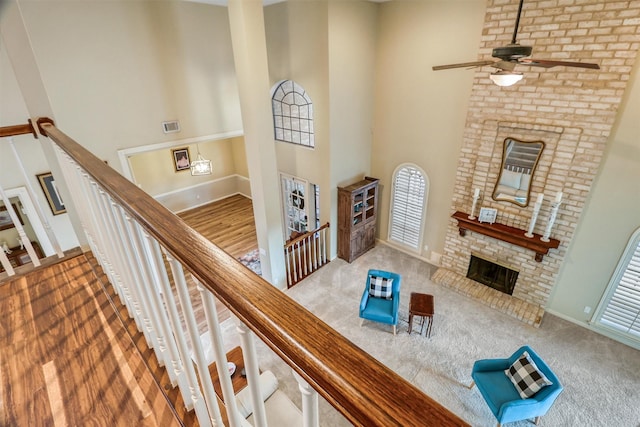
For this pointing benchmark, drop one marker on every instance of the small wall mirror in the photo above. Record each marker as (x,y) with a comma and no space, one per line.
(519,161)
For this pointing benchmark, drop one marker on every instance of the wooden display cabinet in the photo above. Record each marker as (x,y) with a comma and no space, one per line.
(357,213)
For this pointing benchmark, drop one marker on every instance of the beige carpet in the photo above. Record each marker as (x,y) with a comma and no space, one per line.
(601,377)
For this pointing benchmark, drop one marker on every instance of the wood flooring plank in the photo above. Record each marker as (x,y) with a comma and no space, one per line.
(67,359)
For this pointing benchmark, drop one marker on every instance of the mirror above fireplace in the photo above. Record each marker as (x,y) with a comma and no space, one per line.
(519,161)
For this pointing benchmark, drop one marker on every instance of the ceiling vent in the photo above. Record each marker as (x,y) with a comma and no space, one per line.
(171,127)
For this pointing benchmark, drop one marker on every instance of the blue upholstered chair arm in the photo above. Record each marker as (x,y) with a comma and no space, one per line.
(365,299)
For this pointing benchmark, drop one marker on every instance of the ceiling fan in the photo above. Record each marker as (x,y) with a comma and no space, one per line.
(511,55)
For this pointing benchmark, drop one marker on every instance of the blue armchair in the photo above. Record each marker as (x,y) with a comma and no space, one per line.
(381,309)
(503,397)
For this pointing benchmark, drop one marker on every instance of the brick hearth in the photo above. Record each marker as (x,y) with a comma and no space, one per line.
(522,310)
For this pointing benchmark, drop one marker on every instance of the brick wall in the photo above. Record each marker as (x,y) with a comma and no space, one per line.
(571,109)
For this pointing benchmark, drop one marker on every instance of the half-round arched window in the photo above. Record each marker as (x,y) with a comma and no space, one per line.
(408,205)
(292,114)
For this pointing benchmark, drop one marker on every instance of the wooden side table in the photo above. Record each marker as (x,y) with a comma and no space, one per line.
(421,305)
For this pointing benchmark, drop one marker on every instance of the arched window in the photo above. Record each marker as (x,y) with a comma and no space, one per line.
(408,206)
(292,114)
(619,310)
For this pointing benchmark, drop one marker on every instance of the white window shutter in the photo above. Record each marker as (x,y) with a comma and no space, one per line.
(407,207)
(622,311)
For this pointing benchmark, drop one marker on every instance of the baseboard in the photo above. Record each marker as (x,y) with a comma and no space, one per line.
(201,194)
(596,329)
(407,252)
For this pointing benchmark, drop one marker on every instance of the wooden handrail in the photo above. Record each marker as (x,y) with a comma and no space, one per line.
(15,130)
(304,236)
(365,391)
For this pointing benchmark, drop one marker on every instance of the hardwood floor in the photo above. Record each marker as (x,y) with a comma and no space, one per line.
(229,223)
(67,360)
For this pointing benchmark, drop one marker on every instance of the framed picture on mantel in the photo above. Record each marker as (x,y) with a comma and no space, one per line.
(488,215)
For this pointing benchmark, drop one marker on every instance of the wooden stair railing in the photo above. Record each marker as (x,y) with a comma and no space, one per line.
(305,254)
(14,130)
(361,388)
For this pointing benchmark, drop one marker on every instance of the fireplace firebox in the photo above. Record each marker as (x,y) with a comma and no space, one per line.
(493,275)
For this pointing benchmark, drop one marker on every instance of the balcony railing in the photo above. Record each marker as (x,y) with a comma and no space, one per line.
(305,254)
(134,238)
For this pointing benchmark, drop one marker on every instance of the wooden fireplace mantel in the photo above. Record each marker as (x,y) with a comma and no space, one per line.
(506,233)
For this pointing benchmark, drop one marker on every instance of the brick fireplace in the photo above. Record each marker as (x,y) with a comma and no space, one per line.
(572,110)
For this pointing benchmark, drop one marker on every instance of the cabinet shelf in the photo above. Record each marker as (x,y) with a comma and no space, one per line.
(357,205)
(506,233)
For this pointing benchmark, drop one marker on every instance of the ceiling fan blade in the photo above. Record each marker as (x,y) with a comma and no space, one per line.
(549,63)
(463,65)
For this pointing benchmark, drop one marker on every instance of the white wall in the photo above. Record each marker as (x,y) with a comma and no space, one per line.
(610,217)
(420,114)
(115,70)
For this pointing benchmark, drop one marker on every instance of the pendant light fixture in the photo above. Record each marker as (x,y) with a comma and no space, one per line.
(201,166)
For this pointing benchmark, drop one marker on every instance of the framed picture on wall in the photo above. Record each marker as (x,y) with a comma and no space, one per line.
(51,192)
(181,159)
(5,219)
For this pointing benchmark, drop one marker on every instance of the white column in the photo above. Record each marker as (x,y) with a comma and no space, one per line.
(246,22)
(253,373)
(310,413)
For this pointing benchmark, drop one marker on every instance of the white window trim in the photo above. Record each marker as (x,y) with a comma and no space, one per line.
(406,247)
(285,203)
(620,270)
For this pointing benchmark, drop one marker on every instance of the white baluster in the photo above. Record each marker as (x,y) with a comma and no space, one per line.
(191,393)
(147,290)
(310,413)
(253,373)
(137,284)
(159,272)
(215,336)
(6,264)
(192,328)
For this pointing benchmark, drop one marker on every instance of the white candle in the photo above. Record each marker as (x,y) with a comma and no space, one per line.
(540,198)
(476,193)
(558,196)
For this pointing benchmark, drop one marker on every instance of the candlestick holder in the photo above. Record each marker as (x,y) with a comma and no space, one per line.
(476,196)
(552,218)
(534,218)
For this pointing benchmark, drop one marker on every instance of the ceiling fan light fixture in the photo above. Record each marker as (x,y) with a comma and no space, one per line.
(505,78)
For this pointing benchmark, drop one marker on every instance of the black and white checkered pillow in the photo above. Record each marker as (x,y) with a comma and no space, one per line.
(380,287)
(526,377)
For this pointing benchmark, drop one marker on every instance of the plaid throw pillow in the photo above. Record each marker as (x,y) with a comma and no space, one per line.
(526,377)
(380,287)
